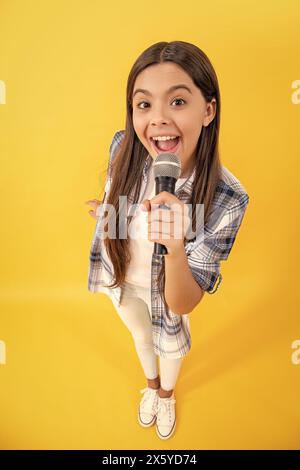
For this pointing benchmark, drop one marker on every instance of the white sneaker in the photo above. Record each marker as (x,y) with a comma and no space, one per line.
(148,407)
(166,417)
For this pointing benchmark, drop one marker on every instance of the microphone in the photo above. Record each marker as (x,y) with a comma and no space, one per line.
(166,169)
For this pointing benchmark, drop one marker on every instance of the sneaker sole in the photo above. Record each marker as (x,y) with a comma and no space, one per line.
(169,435)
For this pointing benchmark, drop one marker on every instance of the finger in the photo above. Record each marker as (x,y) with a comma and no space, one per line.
(173,230)
(154,237)
(164,197)
(161,216)
(166,217)
(171,218)
(94,203)
(92,214)
(92,200)
(178,233)
(165,230)
(159,238)
(146,206)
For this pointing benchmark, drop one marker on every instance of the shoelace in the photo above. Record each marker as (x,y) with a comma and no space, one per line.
(146,403)
(164,406)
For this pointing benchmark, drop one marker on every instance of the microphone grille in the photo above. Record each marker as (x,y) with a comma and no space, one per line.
(167,164)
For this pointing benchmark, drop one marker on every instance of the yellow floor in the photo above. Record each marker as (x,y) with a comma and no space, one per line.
(72,378)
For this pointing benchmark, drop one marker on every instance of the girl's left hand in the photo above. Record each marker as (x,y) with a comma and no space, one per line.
(167,226)
(95,204)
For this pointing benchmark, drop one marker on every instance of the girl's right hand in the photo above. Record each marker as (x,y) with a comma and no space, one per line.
(94,203)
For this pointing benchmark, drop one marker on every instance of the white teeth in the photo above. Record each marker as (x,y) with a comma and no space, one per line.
(164,137)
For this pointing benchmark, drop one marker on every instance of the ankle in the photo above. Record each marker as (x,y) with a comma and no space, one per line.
(164,393)
(154,383)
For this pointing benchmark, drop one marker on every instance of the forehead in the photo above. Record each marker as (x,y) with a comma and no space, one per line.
(162,76)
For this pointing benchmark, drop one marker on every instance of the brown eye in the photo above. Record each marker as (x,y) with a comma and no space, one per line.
(145,102)
(142,102)
(179,99)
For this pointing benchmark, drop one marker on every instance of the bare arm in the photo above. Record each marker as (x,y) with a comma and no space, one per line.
(182,292)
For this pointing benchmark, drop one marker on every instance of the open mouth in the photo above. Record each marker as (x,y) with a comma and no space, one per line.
(173,146)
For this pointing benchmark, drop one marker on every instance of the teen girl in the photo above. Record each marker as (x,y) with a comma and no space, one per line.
(173,105)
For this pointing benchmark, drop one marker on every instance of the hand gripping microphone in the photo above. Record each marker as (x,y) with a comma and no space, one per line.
(166,169)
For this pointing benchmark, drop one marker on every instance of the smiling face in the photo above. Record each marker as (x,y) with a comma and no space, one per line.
(182,112)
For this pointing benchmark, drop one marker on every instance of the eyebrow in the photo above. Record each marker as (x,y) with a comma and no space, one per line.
(172,88)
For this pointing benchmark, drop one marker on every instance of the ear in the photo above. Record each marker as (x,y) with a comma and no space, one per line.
(210,112)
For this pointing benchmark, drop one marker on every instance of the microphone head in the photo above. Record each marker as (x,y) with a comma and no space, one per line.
(167,164)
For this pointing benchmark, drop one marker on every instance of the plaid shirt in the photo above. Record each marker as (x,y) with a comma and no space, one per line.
(171,336)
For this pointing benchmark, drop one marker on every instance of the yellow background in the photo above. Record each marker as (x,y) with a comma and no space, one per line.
(72,377)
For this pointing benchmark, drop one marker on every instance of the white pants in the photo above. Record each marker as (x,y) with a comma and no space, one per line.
(135,312)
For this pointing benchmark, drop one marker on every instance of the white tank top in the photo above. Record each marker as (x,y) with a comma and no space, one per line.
(141,249)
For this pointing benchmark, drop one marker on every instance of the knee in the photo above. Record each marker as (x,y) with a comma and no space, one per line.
(143,339)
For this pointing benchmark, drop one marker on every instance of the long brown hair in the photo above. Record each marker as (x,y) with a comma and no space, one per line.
(130,157)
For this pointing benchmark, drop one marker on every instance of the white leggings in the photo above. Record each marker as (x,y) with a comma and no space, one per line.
(135,312)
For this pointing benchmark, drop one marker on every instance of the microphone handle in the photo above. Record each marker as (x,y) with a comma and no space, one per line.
(163,183)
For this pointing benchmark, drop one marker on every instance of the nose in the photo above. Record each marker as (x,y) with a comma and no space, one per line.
(160,122)
(159,117)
